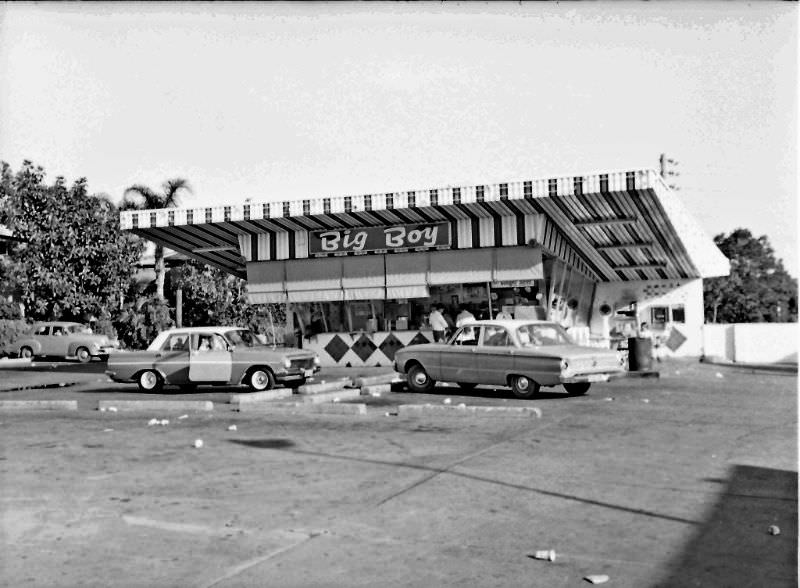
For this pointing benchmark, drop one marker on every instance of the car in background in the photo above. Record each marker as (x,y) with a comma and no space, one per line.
(525,355)
(186,357)
(63,339)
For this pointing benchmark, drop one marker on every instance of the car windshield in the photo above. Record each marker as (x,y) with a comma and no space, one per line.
(542,334)
(243,337)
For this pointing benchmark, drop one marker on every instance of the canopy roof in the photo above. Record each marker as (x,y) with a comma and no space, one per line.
(619,226)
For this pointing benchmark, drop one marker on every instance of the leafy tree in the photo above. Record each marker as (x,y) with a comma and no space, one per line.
(758,288)
(138,323)
(214,297)
(72,259)
(139,197)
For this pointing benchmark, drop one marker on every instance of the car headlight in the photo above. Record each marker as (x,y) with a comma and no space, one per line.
(317,360)
(287,363)
(564,365)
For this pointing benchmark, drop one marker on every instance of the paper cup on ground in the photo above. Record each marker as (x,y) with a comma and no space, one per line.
(198,443)
(546,554)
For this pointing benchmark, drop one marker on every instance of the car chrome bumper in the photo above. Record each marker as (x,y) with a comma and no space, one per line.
(295,374)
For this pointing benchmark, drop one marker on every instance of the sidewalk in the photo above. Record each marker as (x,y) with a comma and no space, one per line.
(787,368)
(28,378)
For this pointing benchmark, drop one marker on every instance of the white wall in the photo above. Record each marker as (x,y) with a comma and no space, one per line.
(752,342)
(650,293)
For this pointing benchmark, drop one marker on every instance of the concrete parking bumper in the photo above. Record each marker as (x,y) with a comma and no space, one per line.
(161,405)
(414,410)
(38,405)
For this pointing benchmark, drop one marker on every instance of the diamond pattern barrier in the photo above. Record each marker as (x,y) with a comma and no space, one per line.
(363,349)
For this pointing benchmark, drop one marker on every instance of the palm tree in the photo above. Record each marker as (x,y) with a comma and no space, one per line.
(139,197)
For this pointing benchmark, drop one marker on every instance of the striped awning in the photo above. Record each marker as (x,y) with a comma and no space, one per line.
(619,226)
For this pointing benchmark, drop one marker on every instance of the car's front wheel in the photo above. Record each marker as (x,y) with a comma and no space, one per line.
(524,387)
(419,380)
(261,379)
(26,352)
(150,381)
(83,355)
(577,389)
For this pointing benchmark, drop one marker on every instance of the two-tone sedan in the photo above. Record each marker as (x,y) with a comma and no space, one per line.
(522,354)
(212,355)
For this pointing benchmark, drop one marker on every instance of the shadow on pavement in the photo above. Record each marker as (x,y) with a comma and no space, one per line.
(733,547)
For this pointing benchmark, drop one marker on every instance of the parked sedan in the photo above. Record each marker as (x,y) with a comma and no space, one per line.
(211,355)
(64,339)
(525,355)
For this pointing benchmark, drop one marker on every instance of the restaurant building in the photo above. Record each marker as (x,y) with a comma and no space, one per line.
(599,253)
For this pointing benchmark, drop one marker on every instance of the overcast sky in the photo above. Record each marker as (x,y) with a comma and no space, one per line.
(281,101)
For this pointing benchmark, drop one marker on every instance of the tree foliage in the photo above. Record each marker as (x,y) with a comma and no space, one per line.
(72,260)
(758,288)
(213,297)
(140,197)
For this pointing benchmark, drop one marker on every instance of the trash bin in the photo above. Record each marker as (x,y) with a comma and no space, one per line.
(640,356)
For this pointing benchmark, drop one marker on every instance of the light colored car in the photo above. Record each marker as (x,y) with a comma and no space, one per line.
(523,354)
(64,339)
(187,357)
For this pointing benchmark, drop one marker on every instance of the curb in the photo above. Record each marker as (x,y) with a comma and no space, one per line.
(332,396)
(324,386)
(387,379)
(376,389)
(464,410)
(304,408)
(761,367)
(138,405)
(277,394)
(38,405)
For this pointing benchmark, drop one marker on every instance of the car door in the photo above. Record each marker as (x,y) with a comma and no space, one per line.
(57,341)
(42,336)
(173,358)
(495,356)
(457,359)
(210,359)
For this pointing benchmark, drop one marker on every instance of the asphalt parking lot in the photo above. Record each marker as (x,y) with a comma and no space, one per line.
(673,481)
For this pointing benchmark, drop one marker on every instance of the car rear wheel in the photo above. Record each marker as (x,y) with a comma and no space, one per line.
(26,352)
(577,389)
(261,379)
(524,387)
(419,380)
(83,355)
(467,385)
(150,381)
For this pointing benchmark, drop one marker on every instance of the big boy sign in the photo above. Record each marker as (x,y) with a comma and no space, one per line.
(420,236)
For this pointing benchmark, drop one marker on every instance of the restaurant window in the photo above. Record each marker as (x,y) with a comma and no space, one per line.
(227,214)
(189,217)
(412,199)
(368,202)
(659,315)
(678,314)
(603,183)
(390,201)
(171,218)
(306,207)
(286,212)
(456,195)
(527,189)
(152,219)
(479,193)
(552,187)
(246,212)
(630,180)
(434,197)
(503,191)
(326,205)
(577,184)
(348,204)
(265,210)
(209,215)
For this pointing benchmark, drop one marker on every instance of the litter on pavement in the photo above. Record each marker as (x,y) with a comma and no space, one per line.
(232,428)
(545,554)
(597,579)
(774,530)
(198,443)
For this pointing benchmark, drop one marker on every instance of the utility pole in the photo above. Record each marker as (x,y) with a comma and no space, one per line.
(668,172)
